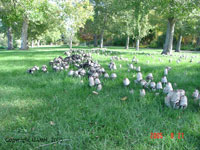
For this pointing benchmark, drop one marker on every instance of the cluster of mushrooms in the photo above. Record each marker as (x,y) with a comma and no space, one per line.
(36,68)
(80,63)
(175,98)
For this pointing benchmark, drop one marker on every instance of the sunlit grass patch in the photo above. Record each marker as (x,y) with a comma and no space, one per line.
(55,105)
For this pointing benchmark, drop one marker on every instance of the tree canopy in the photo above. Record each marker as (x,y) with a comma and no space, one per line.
(100,21)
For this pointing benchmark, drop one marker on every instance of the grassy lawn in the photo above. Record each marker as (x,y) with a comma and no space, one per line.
(54,106)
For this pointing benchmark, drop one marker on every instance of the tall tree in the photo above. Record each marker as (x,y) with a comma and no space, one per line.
(123,24)
(182,29)
(75,15)
(141,9)
(103,11)
(8,16)
(90,32)
(31,11)
(173,10)
(47,24)
(141,28)
(193,28)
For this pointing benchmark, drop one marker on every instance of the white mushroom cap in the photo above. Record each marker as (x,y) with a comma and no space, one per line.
(143,82)
(168,88)
(153,85)
(183,102)
(44,69)
(159,86)
(97,81)
(91,81)
(33,69)
(149,76)
(166,72)
(99,87)
(71,73)
(113,75)
(134,59)
(138,69)
(102,70)
(95,75)
(164,80)
(139,76)
(76,73)
(82,72)
(131,66)
(126,82)
(142,92)
(66,67)
(195,94)
(175,97)
(182,92)
(37,68)
(106,75)
(114,67)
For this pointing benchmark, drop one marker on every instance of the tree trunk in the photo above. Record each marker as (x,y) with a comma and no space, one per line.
(10,38)
(133,44)
(169,37)
(70,42)
(127,42)
(198,43)
(137,44)
(24,37)
(193,39)
(32,43)
(95,41)
(178,46)
(38,43)
(101,44)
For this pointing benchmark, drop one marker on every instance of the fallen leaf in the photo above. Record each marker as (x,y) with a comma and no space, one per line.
(52,123)
(94,92)
(124,98)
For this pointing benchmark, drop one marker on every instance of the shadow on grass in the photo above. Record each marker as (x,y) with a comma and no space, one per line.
(35,100)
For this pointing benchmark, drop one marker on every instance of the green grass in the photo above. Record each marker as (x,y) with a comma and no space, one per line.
(30,103)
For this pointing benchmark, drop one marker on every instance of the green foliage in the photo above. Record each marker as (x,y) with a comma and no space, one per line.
(178,9)
(3,41)
(136,17)
(49,22)
(158,43)
(103,18)
(76,13)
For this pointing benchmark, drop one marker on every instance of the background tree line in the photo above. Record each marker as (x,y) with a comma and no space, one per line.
(153,23)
